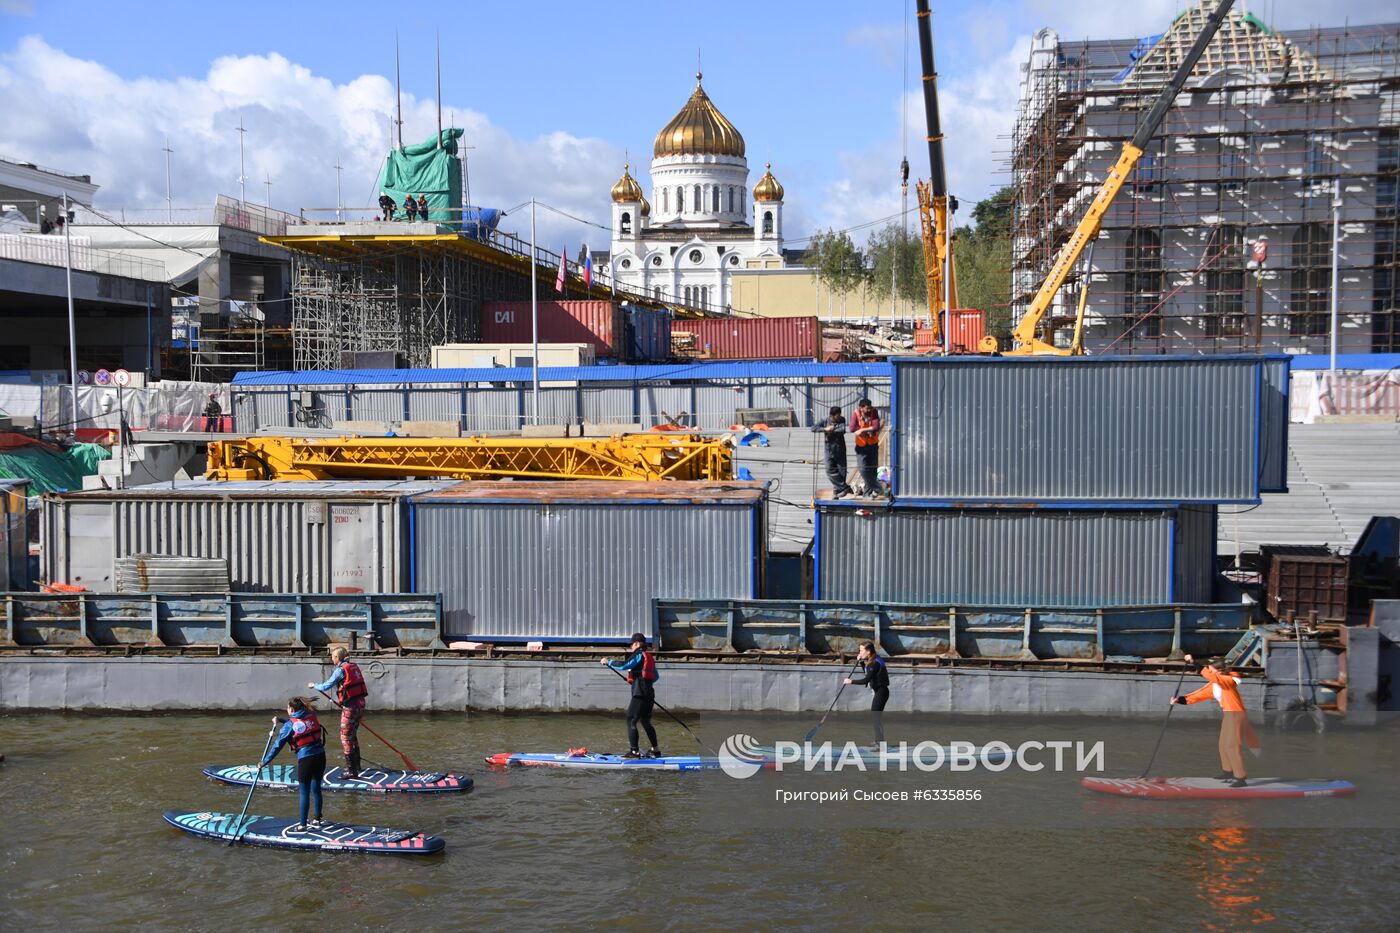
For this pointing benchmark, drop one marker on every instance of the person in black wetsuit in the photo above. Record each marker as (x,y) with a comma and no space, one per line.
(877,678)
(640,668)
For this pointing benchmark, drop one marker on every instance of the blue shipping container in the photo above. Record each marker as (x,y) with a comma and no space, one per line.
(648,334)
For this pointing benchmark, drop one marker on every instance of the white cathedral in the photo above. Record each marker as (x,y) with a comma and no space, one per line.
(685,242)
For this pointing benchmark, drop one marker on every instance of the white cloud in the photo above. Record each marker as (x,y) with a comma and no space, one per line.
(16,8)
(79,116)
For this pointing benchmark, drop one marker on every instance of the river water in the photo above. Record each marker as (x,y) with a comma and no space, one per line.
(84,846)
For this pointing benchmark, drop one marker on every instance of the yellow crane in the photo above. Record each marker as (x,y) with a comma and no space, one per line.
(935,204)
(1027,335)
(637,457)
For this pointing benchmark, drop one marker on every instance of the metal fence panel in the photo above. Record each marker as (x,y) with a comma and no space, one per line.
(1178,430)
(574,571)
(607,405)
(1195,554)
(376,404)
(996,557)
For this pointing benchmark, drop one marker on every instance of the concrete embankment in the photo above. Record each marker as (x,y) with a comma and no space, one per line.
(155,683)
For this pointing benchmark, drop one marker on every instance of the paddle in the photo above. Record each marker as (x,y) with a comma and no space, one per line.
(1165,720)
(407,763)
(813,731)
(238,827)
(672,715)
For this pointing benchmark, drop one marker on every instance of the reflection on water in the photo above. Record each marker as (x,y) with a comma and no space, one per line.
(1232,874)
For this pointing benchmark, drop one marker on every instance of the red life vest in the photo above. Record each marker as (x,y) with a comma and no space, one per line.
(353,686)
(648,668)
(306,730)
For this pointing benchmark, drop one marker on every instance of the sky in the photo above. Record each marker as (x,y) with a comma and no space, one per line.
(553,96)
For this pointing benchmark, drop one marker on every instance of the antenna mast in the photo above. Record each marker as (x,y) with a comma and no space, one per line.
(438,40)
(398,91)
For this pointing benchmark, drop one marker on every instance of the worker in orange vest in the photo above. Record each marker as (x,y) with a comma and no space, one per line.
(1235,730)
(865,425)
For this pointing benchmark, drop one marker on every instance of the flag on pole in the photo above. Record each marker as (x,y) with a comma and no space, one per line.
(586,261)
(563,264)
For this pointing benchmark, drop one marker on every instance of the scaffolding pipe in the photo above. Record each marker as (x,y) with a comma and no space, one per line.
(1336,279)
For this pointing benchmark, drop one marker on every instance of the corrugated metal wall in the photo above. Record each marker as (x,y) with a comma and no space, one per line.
(1005,557)
(578,571)
(1273,443)
(1195,554)
(1078,429)
(311,543)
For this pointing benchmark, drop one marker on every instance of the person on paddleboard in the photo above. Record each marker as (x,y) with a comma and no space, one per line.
(303,732)
(640,668)
(877,678)
(351,693)
(1235,730)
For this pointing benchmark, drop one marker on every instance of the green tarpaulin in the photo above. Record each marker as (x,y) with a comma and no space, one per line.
(50,470)
(430,170)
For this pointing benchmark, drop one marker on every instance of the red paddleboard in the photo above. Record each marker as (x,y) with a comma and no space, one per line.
(1212,789)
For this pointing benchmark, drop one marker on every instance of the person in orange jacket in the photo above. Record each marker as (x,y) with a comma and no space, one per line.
(1235,731)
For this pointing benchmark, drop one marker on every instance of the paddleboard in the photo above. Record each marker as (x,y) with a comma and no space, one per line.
(328,837)
(372,780)
(608,762)
(1212,789)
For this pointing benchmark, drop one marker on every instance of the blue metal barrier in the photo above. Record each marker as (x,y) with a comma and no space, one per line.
(1129,633)
(247,620)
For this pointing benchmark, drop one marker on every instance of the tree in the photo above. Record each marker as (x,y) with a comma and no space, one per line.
(839,264)
(983,256)
(896,260)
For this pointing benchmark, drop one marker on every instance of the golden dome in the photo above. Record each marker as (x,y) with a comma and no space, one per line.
(768,188)
(627,188)
(646,207)
(699,129)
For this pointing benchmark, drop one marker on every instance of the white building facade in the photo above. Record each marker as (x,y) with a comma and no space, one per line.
(697,229)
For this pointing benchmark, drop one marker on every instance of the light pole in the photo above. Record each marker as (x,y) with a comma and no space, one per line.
(242,177)
(1336,269)
(72,319)
(169,205)
(534,318)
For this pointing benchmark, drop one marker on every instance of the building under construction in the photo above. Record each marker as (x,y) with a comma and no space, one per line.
(1281,145)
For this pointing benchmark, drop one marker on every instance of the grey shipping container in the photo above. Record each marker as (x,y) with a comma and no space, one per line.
(1015,557)
(14,535)
(288,537)
(1163,429)
(582,560)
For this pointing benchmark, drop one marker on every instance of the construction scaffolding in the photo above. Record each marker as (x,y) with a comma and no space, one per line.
(1272,132)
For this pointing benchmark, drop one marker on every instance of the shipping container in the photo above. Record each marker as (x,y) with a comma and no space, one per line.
(481,355)
(648,334)
(1308,581)
(601,324)
(582,560)
(1016,556)
(288,537)
(1035,429)
(967,326)
(756,338)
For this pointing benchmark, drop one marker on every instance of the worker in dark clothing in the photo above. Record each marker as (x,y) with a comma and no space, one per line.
(865,425)
(877,678)
(386,204)
(213,413)
(834,428)
(410,208)
(423,208)
(640,668)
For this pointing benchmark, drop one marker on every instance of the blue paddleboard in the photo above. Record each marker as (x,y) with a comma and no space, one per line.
(278,832)
(371,780)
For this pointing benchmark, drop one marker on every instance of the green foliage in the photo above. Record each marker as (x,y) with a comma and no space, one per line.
(983,255)
(839,264)
(896,259)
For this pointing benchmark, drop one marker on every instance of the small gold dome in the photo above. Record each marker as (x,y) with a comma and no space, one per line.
(768,188)
(646,207)
(627,188)
(699,129)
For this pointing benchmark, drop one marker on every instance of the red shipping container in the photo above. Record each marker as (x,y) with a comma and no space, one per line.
(759,338)
(968,326)
(599,323)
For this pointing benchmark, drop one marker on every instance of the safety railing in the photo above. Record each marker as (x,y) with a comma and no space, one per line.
(51,250)
(1118,633)
(226,620)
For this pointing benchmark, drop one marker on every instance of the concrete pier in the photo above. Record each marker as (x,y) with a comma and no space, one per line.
(136,684)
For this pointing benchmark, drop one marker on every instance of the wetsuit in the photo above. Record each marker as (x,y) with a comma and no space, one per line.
(834,455)
(304,733)
(877,678)
(350,694)
(641,673)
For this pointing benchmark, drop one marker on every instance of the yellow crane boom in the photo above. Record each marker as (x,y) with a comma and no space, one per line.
(934,200)
(1026,335)
(637,457)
